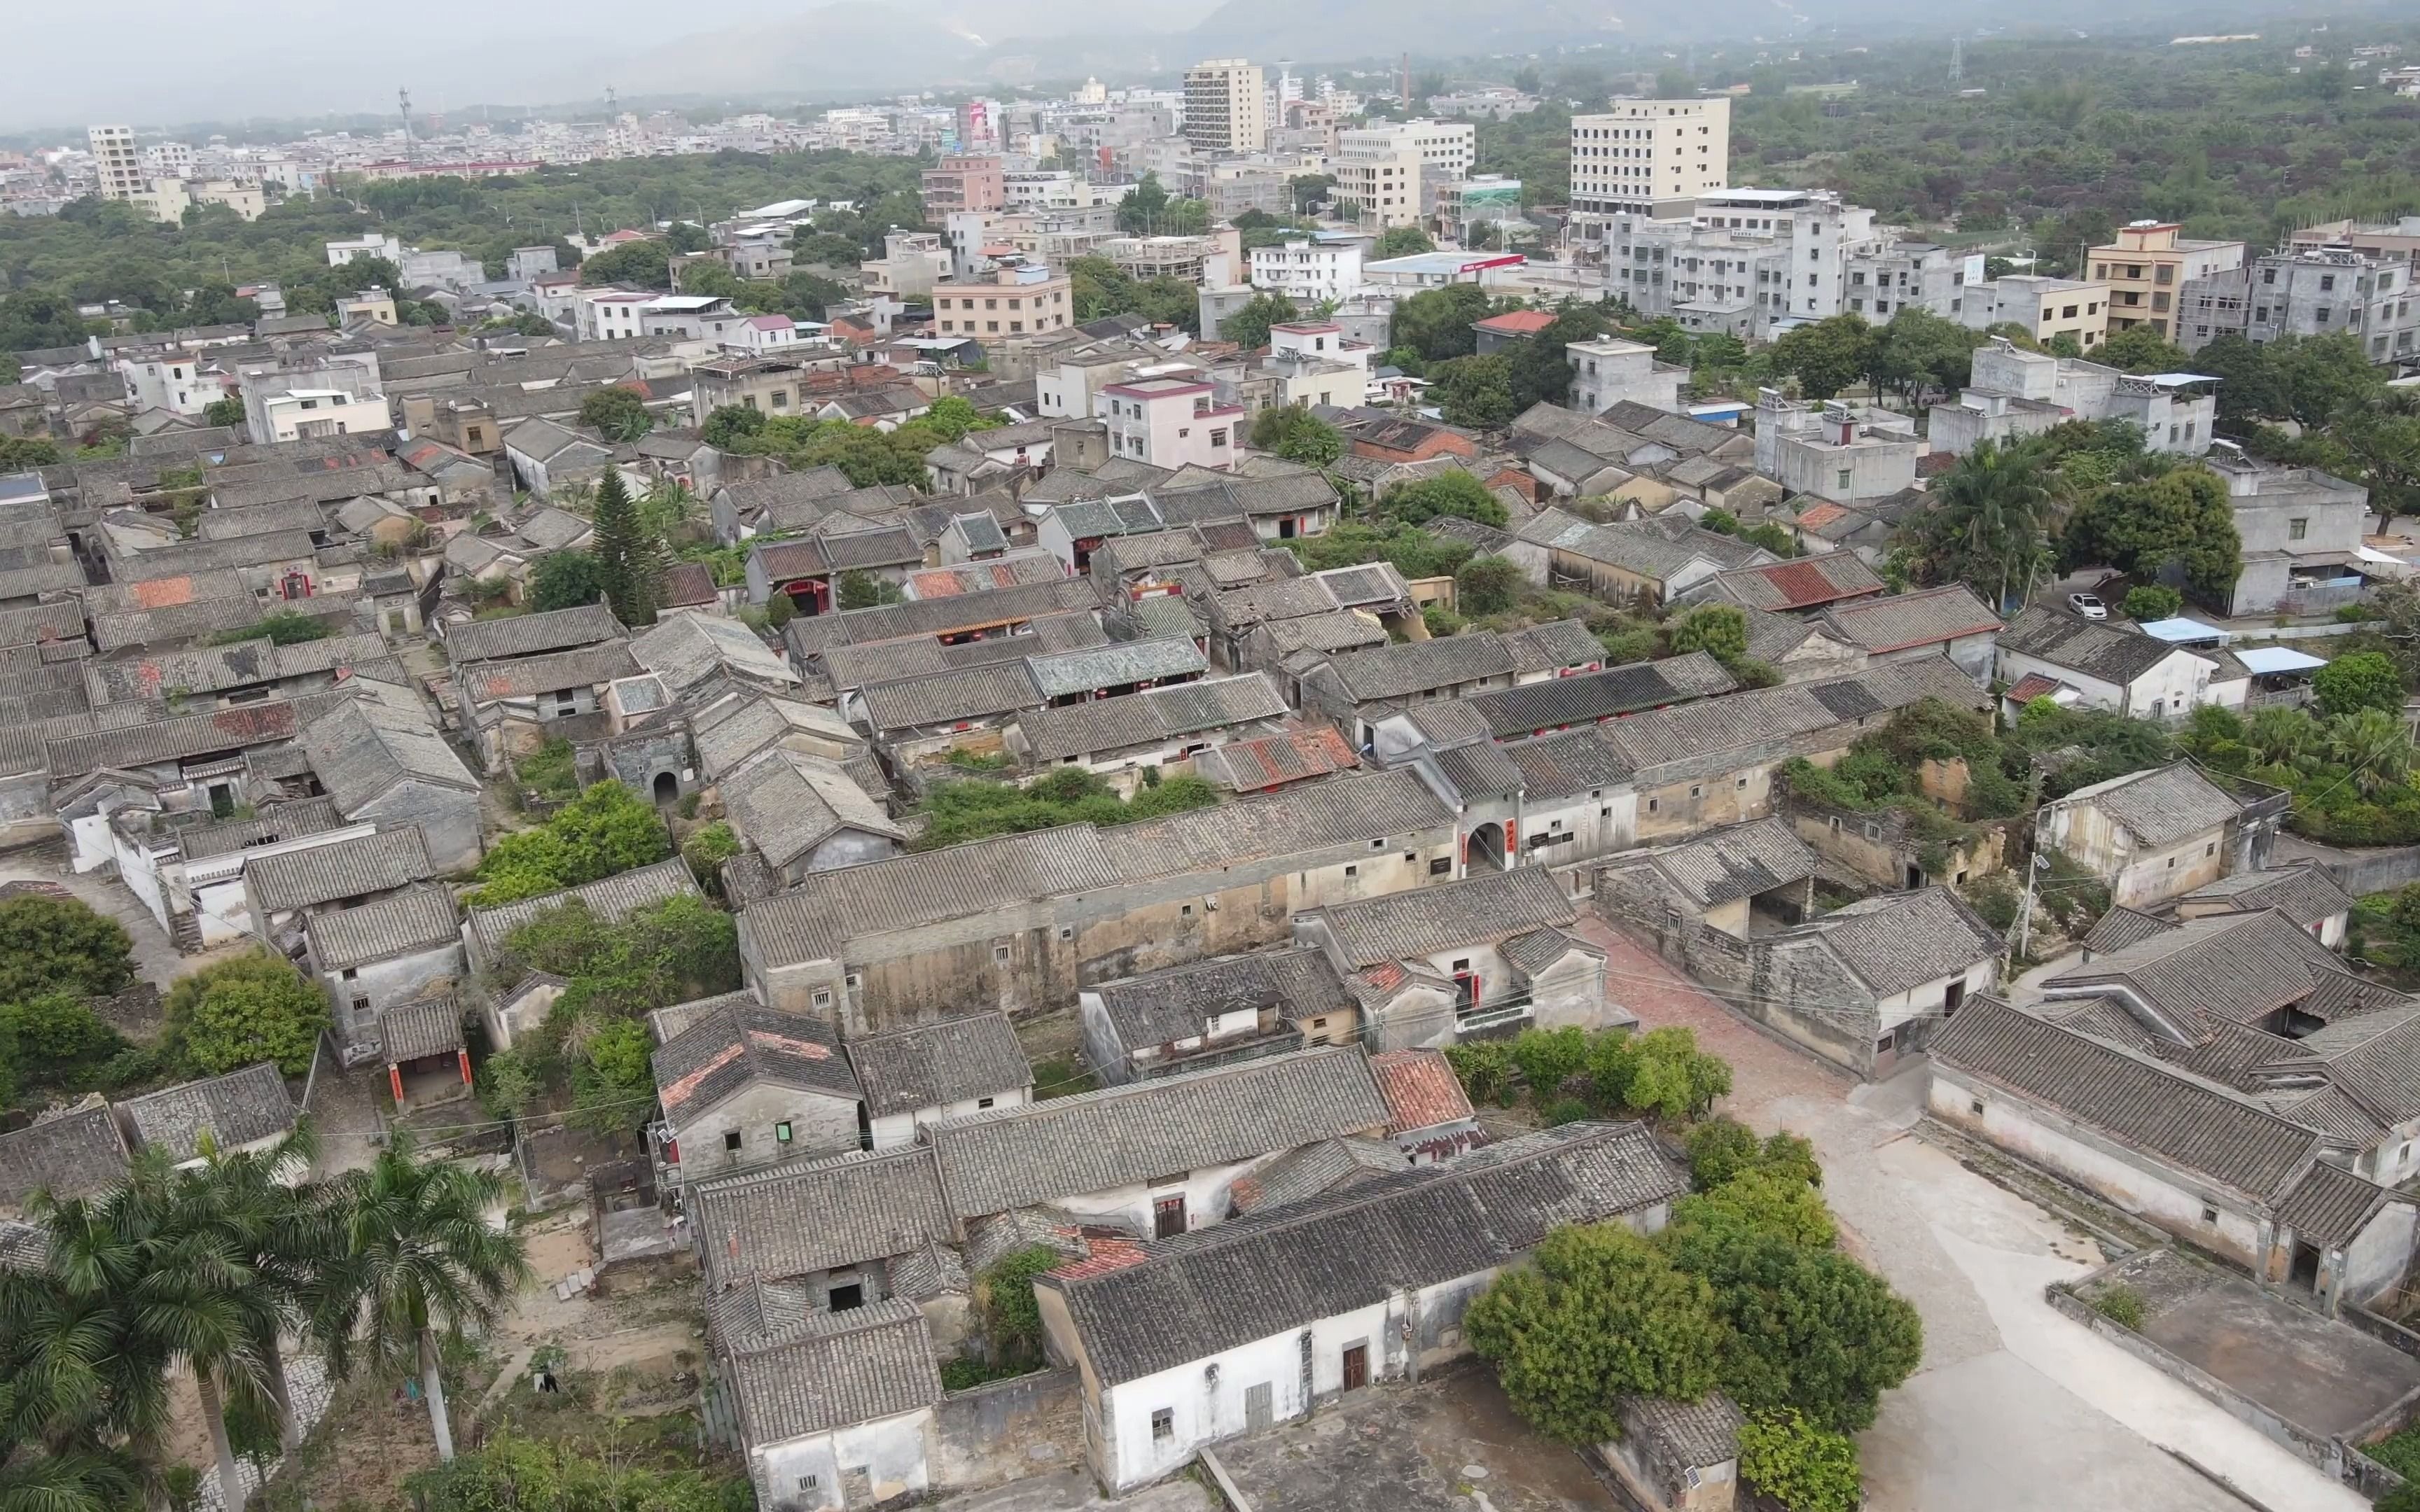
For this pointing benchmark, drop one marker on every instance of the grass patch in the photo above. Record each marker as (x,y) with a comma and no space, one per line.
(1062,1078)
(2122,1305)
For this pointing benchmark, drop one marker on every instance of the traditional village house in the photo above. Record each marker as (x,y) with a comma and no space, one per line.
(2153,835)
(1215,1012)
(1868,983)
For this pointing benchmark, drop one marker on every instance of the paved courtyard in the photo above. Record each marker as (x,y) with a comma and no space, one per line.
(2014,1408)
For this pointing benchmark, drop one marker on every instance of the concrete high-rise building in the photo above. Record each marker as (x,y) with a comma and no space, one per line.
(1378,173)
(1642,151)
(2306,291)
(1225,106)
(118,167)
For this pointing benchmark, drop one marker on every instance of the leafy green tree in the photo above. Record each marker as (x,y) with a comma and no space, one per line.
(1476,392)
(1549,1057)
(1538,368)
(862,590)
(57,1033)
(2138,349)
(252,1008)
(1805,1468)
(706,849)
(1601,1313)
(2362,680)
(22,454)
(414,1255)
(2320,378)
(1827,356)
(1754,1204)
(644,264)
(629,558)
(1488,585)
(2181,517)
(1661,1072)
(1920,350)
(1810,1329)
(613,1080)
(1436,322)
(1298,435)
(728,423)
(1718,630)
(2153,601)
(617,413)
(226,411)
(565,579)
(1249,327)
(1402,241)
(1986,530)
(1145,206)
(1013,1317)
(60,945)
(1452,492)
(2371,743)
(2381,439)
(1720,1148)
(607,830)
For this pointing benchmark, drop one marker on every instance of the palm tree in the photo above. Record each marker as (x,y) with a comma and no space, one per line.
(282,1233)
(2373,744)
(2281,736)
(1994,500)
(416,1253)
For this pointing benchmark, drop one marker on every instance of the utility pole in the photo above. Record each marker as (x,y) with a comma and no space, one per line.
(2025,911)
(403,98)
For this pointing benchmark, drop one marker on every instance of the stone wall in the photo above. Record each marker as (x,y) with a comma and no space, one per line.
(1008,1429)
(2371,869)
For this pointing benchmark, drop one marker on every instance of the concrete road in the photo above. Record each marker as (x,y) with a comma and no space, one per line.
(2014,1408)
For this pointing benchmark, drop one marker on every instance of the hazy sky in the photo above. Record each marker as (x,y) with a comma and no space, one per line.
(274,58)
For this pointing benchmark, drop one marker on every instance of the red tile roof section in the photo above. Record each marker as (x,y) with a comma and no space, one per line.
(1421,1089)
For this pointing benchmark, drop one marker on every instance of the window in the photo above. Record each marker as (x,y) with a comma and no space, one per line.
(731,1139)
(1652,804)
(822,997)
(2208,1213)
(1066,932)
(781,1133)
(1163,1423)
(2210,848)
(350,973)
(806,1483)
(1696,791)
(2297,528)
(1351,870)
(1000,955)
(1845,474)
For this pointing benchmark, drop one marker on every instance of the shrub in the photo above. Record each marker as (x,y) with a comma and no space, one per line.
(1720,1148)
(1014,1318)
(2152,602)
(608,828)
(1804,1467)
(1563,1110)
(1485,1068)
(61,944)
(2122,1305)
(1550,1057)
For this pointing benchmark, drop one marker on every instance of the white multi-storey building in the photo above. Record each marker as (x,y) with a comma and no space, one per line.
(1378,174)
(2306,291)
(1744,261)
(117,166)
(1308,272)
(1642,151)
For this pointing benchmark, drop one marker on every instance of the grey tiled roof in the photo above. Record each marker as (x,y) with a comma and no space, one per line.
(2121,927)
(2305,893)
(2373,1057)
(230,1111)
(2096,650)
(528,634)
(1316,1171)
(417,918)
(1553,645)
(359,755)
(812,920)
(833,1370)
(789,803)
(272,822)
(1161,1007)
(2162,806)
(1701,1434)
(934,1065)
(1153,715)
(1491,906)
(1195,1296)
(1903,940)
(1412,667)
(75,1154)
(2329,1205)
(1736,861)
(166,740)
(1370,806)
(379,862)
(739,1042)
(945,697)
(425,1027)
(611,899)
(2144,1105)
(1906,620)
(1587,697)
(1805,582)
(956,613)
(1704,733)
(2239,967)
(1067,1147)
(808,1215)
(685,649)
(552,672)
(1116,664)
